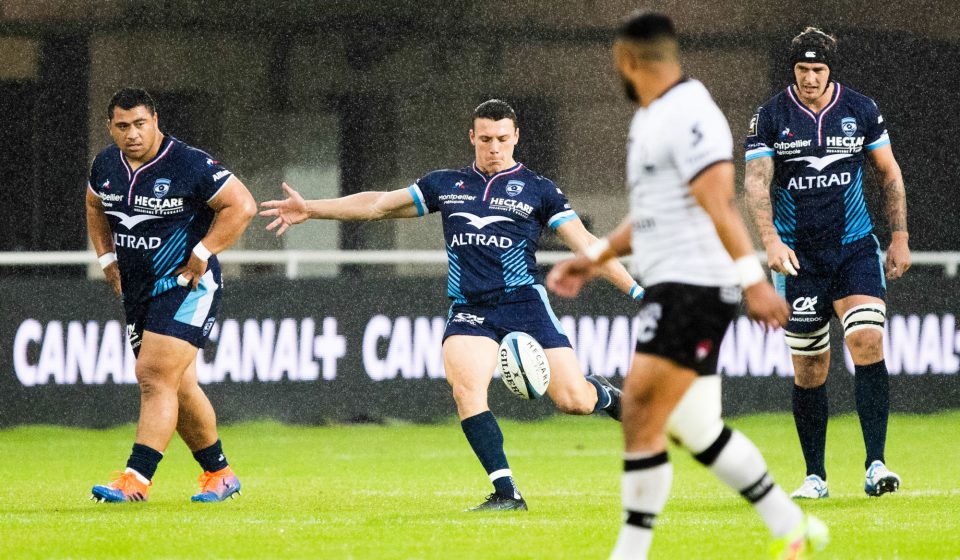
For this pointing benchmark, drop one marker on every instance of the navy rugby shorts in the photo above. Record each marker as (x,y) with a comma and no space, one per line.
(686,324)
(526,310)
(179,312)
(827,275)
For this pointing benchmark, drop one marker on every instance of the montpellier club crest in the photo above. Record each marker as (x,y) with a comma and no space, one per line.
(514,187)
(161,188)
(849,126)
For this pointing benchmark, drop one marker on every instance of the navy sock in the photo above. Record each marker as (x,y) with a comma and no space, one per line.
(211,458)
(872,390)
(604,397)
(810,414)
(144,460)
(486,439)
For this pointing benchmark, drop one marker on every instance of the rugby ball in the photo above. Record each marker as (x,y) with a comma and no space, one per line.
(523,366)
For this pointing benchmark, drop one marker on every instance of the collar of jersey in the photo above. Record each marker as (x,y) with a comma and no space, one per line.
(833,98)
(167,140)
(488,177)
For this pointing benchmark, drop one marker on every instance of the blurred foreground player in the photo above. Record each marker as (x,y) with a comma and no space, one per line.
(691,250)
(158,211)
(810,142)
(493,212)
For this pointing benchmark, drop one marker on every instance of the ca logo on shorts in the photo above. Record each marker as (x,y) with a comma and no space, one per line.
(805,306)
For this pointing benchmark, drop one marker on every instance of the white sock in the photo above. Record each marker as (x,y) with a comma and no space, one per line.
(645,488)
(741,467)
(140,477)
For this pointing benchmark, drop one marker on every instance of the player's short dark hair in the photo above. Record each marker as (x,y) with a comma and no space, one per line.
(495,110)
(813,40)
(127,98)
(647,27)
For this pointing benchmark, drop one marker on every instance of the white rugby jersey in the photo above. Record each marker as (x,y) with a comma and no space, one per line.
(671,141)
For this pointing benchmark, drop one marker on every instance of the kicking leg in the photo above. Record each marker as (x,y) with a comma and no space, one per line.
(575,394)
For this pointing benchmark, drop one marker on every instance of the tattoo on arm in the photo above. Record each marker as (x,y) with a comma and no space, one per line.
(758,177)
(895,197)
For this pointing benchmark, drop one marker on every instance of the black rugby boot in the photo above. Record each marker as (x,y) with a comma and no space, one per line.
(496,502)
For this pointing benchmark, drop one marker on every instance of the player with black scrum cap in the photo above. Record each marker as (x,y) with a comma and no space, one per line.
(806,153)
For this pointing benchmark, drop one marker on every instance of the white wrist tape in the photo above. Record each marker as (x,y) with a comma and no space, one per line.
(749,270)
(201,251)
(595,251)
(107,259)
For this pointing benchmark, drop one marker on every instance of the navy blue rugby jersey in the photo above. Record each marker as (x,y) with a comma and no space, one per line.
(817,191)
(157,213)
(491,226)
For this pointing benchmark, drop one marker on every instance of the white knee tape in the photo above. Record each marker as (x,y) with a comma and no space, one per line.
(695,422)
(866,316)
(809,344)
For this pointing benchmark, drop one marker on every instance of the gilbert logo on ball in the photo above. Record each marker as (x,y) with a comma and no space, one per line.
(523,366)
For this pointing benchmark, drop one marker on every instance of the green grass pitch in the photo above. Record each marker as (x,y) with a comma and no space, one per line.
(370,492)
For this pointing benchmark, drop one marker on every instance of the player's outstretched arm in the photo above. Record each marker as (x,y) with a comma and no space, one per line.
(98,228)
(780,258)
(568,277)
(713,189)
(235,207)
(895,200)
(364,206)
(578,239)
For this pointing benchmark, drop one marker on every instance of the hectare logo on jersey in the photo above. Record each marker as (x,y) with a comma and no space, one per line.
(512,205)
(848,143)
(158,204)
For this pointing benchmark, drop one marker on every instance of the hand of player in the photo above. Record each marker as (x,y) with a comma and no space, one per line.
(781,258)
(112,274)
(898,257)
(765,306)
(290,211)
(568,277)
(193,271)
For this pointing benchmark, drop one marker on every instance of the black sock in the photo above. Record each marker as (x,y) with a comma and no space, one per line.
(211,458)
(604,396)
(144,460)
(810,414)
(872,389)
(486,439)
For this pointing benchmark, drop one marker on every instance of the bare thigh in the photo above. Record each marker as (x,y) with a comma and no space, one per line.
(469,363)
(652,390)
